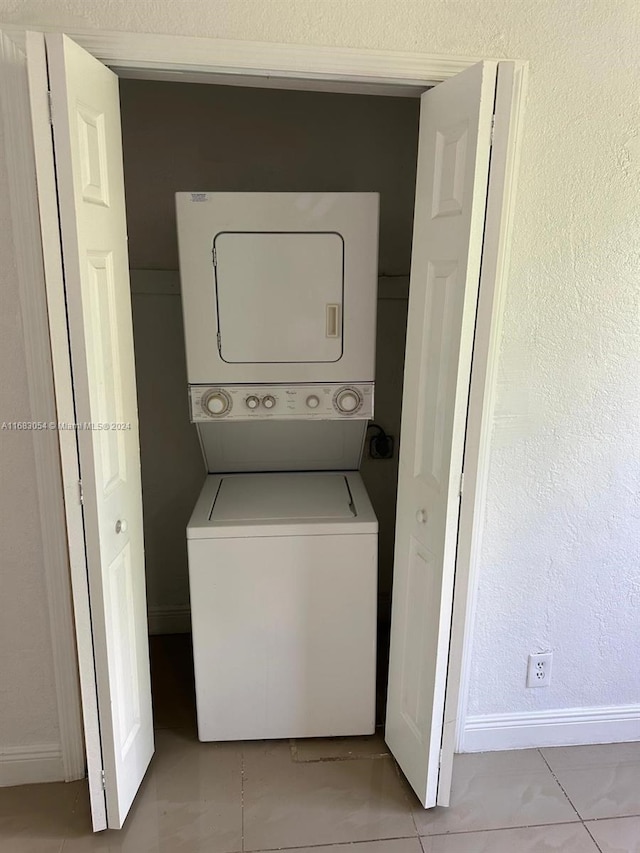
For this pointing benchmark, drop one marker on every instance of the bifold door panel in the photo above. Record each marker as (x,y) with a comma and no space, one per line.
(90,189)
(453,168)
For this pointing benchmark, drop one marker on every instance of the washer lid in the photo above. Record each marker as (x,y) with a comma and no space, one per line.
(283,497)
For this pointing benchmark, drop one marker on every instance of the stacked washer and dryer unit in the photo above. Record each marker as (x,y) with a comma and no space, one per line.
(279,302)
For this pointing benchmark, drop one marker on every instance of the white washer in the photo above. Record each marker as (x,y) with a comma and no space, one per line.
(283,581)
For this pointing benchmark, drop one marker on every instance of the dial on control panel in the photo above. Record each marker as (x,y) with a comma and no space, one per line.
(268,401)
(348,400)
(252,402)
(216,403)
(313,402)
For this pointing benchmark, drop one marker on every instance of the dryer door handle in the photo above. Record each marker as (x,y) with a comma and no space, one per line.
(333,320)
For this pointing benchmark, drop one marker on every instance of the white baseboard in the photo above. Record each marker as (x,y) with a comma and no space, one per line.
(29,765)
(612,724)
(172,619)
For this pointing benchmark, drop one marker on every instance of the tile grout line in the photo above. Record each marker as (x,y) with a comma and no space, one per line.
(337,844)
(539,751)
(591,837)
(559,783)
(498,829)
(332,759)
(242,798)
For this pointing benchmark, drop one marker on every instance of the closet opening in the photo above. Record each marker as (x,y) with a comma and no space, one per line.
(188,137)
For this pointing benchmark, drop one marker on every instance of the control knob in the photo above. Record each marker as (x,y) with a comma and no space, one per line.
(216,403)
(252,402)
(268,401)
(313,402)
(348,400)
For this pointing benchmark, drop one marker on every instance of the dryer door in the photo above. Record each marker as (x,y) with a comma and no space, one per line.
(279,296)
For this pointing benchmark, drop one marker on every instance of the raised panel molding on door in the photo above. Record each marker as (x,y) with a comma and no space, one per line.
(451,188)
(90,186)
(441,309)
(449,170)
(93,155)
(104,364)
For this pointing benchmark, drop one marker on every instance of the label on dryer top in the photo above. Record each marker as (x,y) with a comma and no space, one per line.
(281,402)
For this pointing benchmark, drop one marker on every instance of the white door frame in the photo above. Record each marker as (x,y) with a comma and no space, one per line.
(308,68)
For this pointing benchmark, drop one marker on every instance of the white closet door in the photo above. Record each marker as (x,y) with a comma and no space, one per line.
(88,155)
(453,167)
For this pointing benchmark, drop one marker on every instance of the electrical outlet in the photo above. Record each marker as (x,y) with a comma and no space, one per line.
(381,446)
(539,670)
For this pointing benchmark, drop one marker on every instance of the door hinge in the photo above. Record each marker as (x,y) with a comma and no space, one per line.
(439,759)
(493,128)
(50,103)
(461,483)
(80,492)
(103,780)
(219,342)
(215,256)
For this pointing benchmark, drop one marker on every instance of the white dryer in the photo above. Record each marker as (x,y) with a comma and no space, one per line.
(278,287)
(282,573)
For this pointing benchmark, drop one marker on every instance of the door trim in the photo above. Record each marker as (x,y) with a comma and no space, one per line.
(376,72)
(251,63)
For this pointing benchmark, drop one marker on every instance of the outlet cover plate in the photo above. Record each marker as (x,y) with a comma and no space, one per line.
(539,669)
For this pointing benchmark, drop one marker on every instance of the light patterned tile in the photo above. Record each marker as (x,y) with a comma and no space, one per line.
(593,755)
(31,843)
(35,818)
(567,838)
(339,748)
(300,804)
(190,801)
(498,790)
(602,780)
(616,835)
(399,845)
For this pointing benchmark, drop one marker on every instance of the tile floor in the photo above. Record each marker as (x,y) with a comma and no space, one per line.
(333,796)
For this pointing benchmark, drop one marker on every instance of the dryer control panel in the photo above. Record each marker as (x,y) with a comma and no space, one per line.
(281,402)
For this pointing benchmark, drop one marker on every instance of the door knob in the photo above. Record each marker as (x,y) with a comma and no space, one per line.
(421,516)
(121,526)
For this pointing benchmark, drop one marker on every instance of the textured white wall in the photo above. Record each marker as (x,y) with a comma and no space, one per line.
(560,565)
(28,711)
